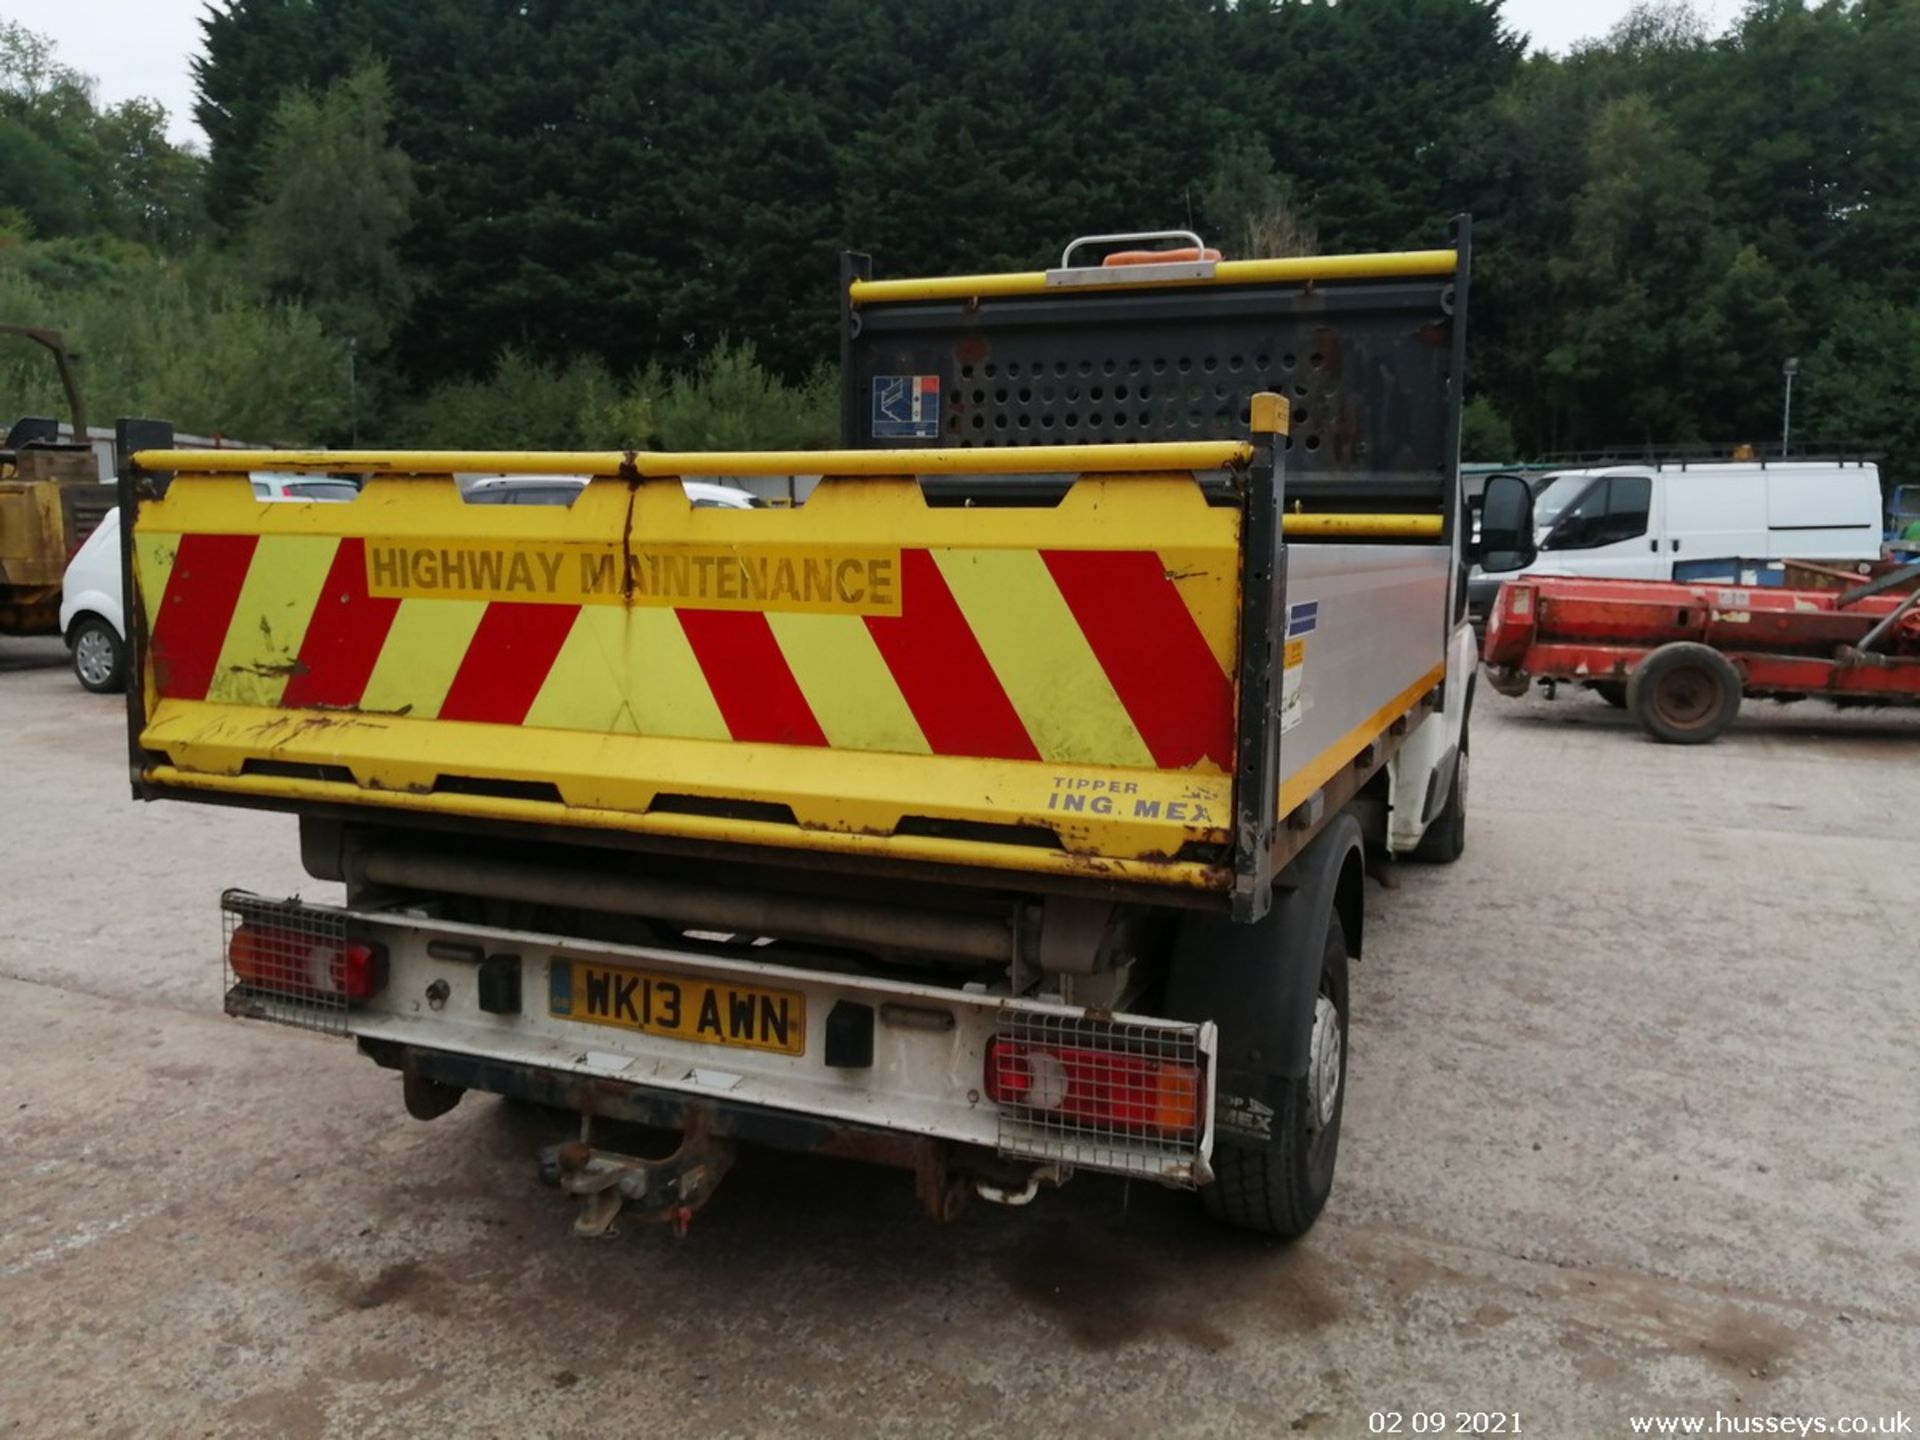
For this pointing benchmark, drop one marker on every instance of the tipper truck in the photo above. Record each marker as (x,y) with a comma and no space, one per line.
(1000,811)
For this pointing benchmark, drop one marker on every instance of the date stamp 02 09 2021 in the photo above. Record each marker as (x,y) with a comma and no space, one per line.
(1443,1422)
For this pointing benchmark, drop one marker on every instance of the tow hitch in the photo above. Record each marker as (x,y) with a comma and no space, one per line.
(606,1182)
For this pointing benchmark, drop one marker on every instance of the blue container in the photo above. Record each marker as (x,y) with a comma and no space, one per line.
(1730,570)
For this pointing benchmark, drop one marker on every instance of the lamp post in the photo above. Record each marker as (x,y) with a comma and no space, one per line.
(1790,369)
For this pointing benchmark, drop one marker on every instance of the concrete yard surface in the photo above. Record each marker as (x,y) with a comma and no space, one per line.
(1633,1129)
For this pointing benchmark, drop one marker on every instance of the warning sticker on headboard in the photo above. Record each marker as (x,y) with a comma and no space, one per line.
(906,407)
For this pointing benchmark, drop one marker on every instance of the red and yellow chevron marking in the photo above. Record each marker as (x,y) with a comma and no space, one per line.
(859,662)
(1099,632)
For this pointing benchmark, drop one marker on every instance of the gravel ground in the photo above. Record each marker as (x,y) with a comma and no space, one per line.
(1632,1130)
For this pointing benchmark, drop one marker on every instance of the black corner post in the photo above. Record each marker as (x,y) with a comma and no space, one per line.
(1454,508)
(137,484)
(1263,590)
(853,266)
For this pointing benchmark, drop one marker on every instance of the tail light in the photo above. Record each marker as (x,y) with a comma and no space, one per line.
(1102,1089)
(304,964)
(1509,624)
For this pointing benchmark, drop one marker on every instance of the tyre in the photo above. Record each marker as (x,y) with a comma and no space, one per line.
(99,655)
(1281,1187)
(1614,692)
(1446,838)
(1684,694)
(1276,992)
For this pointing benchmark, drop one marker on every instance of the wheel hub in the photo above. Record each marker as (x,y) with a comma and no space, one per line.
(1323,1064)
(94,657)
(1685,697)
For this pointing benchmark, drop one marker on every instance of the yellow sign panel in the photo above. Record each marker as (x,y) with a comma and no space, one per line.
(1295,652)
(821,580)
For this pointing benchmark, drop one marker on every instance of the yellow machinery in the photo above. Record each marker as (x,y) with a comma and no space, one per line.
(50,500)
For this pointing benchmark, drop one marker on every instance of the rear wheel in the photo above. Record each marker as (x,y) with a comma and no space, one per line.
(99,656)
(1684,694)
(1281,1187)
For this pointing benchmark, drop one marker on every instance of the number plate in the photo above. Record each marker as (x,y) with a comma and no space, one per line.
(680,1007)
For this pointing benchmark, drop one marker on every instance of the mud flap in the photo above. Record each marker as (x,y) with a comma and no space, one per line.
(1258,982)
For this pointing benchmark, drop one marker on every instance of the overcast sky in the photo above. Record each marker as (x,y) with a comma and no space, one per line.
(142,47)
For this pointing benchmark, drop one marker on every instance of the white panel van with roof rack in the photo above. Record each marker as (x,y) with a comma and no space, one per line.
(1636,522)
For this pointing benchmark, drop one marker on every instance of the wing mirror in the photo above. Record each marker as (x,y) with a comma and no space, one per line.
(1505,541)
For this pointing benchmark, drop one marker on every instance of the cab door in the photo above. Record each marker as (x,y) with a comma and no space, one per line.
(1611,531)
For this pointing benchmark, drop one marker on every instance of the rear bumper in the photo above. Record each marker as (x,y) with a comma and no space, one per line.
(881,1070)
(436,1078)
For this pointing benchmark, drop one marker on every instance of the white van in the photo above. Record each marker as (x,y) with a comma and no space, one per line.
(1635,522)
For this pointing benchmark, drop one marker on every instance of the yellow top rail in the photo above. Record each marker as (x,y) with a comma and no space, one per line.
(986,460)
(1154,458)
(1297,270)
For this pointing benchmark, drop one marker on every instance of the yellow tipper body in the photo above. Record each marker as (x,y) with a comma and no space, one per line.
(1041,688)
(1126,567)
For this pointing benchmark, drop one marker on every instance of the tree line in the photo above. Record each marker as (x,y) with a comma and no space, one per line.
(534,222)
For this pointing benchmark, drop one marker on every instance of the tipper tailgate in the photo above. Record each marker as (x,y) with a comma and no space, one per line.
(1045,687)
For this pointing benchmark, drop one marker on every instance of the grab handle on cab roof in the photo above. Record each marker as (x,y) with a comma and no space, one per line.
(1197,249)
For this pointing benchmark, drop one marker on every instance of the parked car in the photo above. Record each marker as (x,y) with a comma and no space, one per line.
(304,487)
(1636,522)
(92,617)
(560,490)
(92,608)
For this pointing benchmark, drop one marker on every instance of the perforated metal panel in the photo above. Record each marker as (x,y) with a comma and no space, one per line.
(1366,365)
(1059,398)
